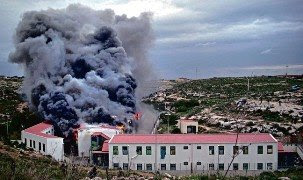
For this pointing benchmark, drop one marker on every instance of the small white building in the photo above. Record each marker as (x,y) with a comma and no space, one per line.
(41,138)
(188,126)
(194,152)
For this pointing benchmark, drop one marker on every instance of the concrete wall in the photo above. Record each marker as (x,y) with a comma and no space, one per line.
(192,155)
(53,146)
(183,125)
(84,138)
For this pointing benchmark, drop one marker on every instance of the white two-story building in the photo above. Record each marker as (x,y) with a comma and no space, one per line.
(194,152)
(41,138)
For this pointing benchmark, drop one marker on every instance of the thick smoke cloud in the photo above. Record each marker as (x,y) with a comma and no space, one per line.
(83,65)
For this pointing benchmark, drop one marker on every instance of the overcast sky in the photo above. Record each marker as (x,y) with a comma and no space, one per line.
(203,38)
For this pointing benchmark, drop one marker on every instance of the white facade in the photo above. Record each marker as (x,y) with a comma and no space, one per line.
(40,138)
(195,157)
(188,126)
(85,133)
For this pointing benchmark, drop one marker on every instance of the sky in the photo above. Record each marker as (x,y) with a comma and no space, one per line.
(196,38)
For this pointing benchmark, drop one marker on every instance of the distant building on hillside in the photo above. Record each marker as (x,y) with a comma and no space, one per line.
(41,138)
(194,152)
(188,126)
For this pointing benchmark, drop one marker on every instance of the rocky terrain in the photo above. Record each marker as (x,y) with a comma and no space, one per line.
(247,104)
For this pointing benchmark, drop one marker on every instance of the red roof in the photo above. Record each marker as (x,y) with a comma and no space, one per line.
(104,150)
(105,146)
(38,128)
(100,134)
(191,138)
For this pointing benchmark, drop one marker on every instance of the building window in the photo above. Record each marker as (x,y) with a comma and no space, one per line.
(185,147)
(245,166)
(198,147)
(185,163)
(163,167)
(235,166)
(236,150)
(149,167)
(25,141)
(172,150)
(211,167)
(269,149)
(125,166)
(139,150)
(199,163)
(245,149)
(148,150)
(260,166)
(139,167)
(124,150)
(260,149)
(39,146)
(172,167)
(116,165)
(269,166)
(221,166)
(115,150)
(34,143)
(211,150)
(221,150)
(30,143)
(162,152)
(43,147)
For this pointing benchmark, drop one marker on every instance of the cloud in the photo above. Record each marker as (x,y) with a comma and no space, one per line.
(274,67)
(201,33)
(205,44)
(255,29)
(267,51)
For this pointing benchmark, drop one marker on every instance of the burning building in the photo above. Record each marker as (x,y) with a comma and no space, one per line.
(82,65)
(91,141)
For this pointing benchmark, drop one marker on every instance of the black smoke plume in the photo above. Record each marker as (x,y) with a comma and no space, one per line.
(81,65)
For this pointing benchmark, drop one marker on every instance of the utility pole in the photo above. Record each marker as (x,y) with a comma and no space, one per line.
(7,127)
(247,84)
(196,73)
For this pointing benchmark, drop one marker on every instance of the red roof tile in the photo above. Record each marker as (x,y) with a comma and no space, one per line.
(191,138)
(100,134)
(38,128)
(104,149)
(105,146)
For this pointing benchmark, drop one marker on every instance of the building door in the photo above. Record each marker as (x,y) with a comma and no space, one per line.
(191,129)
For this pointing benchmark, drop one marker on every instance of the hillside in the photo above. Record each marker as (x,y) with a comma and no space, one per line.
(255,104)
(14,112)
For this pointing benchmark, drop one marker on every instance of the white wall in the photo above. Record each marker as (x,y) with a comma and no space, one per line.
(84,138)
(193,155)
(183,125)
(53,146)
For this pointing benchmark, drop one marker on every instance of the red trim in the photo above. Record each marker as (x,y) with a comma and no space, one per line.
(191,138)
(38,128)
